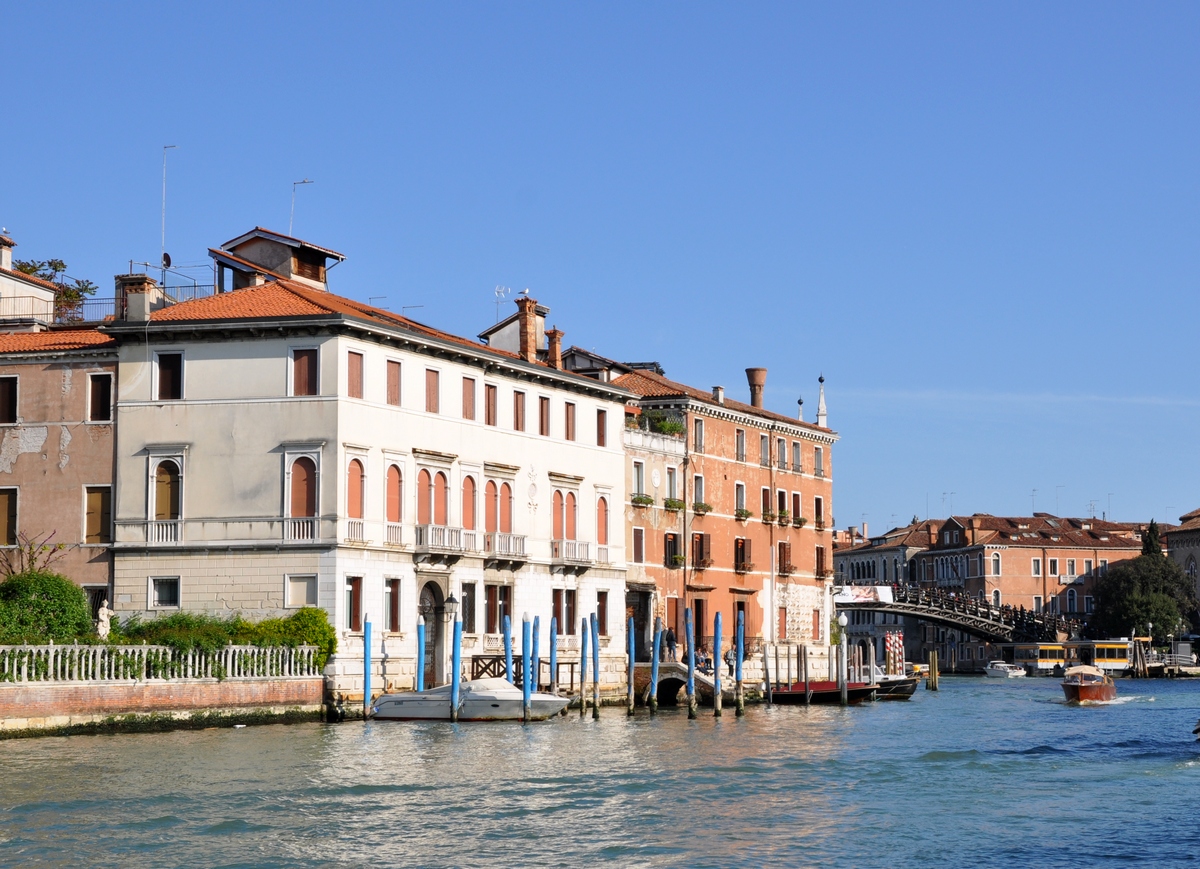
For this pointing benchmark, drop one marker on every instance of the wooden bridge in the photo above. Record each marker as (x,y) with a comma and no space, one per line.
(995,624)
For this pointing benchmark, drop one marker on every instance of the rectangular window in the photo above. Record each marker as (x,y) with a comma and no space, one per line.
(564,610)
(797,506)
(570,421)
(432,391)
(165,591)
(796,464)
(816,627)
(1054,567)
(354,375)
(765,501)
(8,400)
(822,568)
(544,416)
(639,478)
(764,450)
(601,428)
(499,604)
(1037,603)
(739,496)
(819,462)
(639,546)
(393,383)
(819,510)
(698,489)
(468,607)
(1036,567)
(1087,566)
(739,445)
(781,454)
(741,554)
(1087,603)
(1103,566)
(170,376)
(8,516)
(354,603)
(302,591)
(98,515)
(698,436)
(391,605)
(671,548)
(672,486)
(602,613)
(782,637)
(304,372)
(468,397)
(1071,567)
(100,398)
(702,550)
(518,411)
(491,404)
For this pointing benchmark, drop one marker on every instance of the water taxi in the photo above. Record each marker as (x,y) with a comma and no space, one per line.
(1002,670)
(1086,684)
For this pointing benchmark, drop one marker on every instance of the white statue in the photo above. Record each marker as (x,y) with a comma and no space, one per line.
(102,617)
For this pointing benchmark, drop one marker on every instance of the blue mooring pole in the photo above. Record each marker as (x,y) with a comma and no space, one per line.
(553,654)
(537,669)
(595,668)
(525,661)
(455,669)
(654,665)
(508,670)
(631,650)
(691,662)
(741,652)
(717,665)
(420,683)
(366,667)
(583,644)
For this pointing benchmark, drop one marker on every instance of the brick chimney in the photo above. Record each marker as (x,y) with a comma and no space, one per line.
(757,377)
(719,394)
(6,246)
(554,347)
(137,296)
(527,324)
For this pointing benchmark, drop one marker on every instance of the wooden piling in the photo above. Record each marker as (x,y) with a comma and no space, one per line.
(456,669)
(526,675)
(738,691)
(420,653)
(553,655)
(629,692)
(717,665)
(595,668)
(691,661)
(931,681)
(804,666)
(777,665)
(583,656)
(657,650)
(767,676)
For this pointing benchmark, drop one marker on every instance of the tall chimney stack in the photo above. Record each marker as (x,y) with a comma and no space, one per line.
(6,246)
(527,326)
(757,378)
(554,347)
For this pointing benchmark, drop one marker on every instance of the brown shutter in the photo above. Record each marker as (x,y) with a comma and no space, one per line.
(393,383)
(601,428)
(354,375)
(304,372)
(544,416)
(489,409)
(99,515)
(468,395)
(570,421)
(432,402)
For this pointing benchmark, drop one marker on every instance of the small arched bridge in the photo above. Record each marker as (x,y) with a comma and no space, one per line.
(995,624)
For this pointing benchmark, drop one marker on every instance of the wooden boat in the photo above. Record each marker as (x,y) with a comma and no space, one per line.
(822,692)
(478,700)
(1085,684)
(896,687)
(1001,670)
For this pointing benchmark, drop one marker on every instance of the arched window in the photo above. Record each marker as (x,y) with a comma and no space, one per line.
(354,489)
(441,498)
(602,522)
(996,597)
(570,515)
(424,498)
(995,564)
(506,509)
(304,488)
(395,494)
(468,503)
(557,533)
(166,491)
(491,508)
(1072,600)
(1191,566)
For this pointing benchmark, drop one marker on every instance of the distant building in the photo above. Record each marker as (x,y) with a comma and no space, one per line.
(26,301)
(1183,545)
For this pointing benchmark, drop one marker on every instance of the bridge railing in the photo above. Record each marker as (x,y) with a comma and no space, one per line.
(1023,622)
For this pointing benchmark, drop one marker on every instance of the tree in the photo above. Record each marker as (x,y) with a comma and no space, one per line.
(1151,545)
(1146,589)
(69,292)
(39,606)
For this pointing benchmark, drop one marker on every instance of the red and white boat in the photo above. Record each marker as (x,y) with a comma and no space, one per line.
(1088,685)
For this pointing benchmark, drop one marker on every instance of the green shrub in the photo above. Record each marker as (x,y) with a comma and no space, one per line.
(39,606)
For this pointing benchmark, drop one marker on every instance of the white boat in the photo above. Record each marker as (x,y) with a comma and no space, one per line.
(478,700)
(1001,670)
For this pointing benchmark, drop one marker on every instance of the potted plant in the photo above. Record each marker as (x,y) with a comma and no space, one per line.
(677,561)
(768,517)
(742,514)
(672,504)
(799,521)
(784,517)
(641,500)
(700,508)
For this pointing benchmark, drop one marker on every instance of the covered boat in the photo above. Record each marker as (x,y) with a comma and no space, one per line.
(1088,685)
(478,700)
(1002,670)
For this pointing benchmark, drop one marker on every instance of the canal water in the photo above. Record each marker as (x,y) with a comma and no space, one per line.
(981,773)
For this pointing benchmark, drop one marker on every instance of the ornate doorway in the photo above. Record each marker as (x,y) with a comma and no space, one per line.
(432,607)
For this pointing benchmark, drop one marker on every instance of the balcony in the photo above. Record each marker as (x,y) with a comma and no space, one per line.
(818,472)
(602,554)
(300,529)
(355,532)
(570,555)
(163,532)
(782,464)
(394,534)
(438,543)
(502,549)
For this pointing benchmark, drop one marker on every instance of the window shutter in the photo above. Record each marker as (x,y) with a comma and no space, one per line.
(393,383)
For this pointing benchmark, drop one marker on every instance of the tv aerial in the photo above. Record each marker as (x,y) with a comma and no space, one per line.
(501,293)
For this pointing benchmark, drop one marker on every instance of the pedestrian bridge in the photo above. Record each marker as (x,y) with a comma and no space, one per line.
(995,624)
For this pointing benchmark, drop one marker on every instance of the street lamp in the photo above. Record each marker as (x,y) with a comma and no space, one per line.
(451,607)
(842,674)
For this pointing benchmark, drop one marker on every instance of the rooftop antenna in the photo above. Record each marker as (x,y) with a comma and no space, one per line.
(292,219)
(1033,501)
(163,258)
(409,308)
(371,300)
(1092,507)
(501,293)
(1109,510)
(1056,488)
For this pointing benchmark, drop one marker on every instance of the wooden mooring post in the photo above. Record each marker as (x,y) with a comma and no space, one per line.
(741,651)
(629,689)
(718,664)
(691,661)
(804,667)
(657,650)
(595,668)
(767,676)
(931,681)
(583,655)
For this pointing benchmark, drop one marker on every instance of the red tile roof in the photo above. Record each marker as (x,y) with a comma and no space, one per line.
(1046,530)
(290,240)
(33,279)
(51,342)
(651,385)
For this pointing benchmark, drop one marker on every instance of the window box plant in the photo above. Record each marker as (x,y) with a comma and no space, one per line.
(784,517)
(672,504)
(799,521)
(768,517)
(700,508)
(742,514)
(641,500)
(676,561)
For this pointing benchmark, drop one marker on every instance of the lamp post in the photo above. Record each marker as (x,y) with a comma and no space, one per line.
(842,622)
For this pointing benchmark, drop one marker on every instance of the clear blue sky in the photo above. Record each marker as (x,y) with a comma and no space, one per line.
(980,221)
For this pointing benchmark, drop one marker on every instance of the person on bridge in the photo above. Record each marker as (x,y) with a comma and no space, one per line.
(670,638)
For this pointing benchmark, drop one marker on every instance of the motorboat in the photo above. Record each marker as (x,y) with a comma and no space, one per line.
(895,687)
(479,700)
(1086,684)
(1003,670)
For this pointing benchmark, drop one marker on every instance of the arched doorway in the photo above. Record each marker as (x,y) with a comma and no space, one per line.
(432,608)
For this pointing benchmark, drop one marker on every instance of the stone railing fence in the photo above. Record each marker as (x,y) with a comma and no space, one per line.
(77,664)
